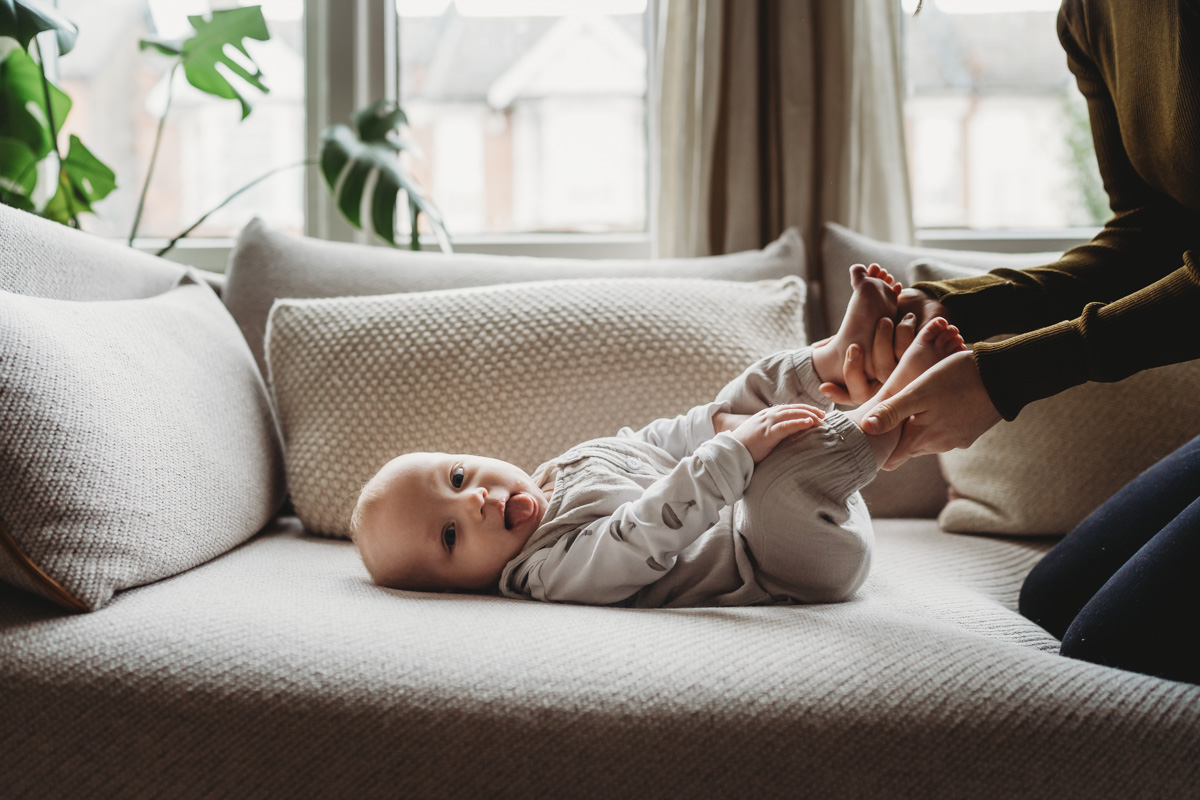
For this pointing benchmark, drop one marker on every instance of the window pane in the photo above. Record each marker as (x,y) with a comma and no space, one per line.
(207,150)
(998,134)
(530,115)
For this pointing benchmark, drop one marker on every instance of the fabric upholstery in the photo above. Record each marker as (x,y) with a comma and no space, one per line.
(519,372)
(138,441)
(1063,456)
(266,265)
(279,670)
(45,259)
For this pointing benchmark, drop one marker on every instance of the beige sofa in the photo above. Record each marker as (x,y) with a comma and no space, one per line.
(275,669)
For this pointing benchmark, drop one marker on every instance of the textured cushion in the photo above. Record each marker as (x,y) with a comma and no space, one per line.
(138,441)
(519,372)
(45,259)
(279,670)
(1063,456)
(266,265)
(916,489)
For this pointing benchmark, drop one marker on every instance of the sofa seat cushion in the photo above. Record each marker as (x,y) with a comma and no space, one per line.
(280,670)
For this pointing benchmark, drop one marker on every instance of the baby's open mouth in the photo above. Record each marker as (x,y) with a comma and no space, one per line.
(518,509)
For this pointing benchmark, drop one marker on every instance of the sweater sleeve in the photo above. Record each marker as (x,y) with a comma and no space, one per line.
(615,556)
(1121,303)
(681,435)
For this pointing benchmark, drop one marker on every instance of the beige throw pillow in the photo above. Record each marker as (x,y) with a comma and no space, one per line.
(519,372)
(266,265)
(138,441)
(1063,456)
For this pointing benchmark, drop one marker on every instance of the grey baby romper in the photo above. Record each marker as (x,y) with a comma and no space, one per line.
(676,515)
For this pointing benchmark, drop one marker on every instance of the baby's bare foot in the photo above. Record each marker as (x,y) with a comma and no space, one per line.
(875,293)
(934,342)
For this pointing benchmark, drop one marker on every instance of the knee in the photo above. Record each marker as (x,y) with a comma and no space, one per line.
(1041,598)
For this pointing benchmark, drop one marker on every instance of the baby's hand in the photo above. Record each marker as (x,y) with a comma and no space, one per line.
(761,432)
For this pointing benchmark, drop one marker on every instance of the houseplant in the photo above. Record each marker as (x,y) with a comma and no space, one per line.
(32,110)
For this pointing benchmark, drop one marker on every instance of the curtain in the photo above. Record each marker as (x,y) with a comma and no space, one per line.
(778,113)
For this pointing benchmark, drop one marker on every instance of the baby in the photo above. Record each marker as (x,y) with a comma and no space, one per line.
(752,498)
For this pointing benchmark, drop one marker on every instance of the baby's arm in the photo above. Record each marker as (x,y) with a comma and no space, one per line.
(617,555)
(681,435)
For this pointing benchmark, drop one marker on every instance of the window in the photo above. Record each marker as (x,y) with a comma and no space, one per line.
(998,134)
(207,151)
(530,115)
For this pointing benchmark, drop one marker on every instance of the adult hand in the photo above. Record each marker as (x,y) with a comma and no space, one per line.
(944,408)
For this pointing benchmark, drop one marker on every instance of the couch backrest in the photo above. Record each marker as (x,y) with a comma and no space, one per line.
(46,259)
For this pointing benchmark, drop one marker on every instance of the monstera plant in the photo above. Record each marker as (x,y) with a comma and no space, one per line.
(32,110)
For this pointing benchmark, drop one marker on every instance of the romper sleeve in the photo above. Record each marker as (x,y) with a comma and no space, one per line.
(615,556)
(681,435)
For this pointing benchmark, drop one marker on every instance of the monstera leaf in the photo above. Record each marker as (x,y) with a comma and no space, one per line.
(24,19)
(82,180)
(348,159)
(23,104)
(201,53)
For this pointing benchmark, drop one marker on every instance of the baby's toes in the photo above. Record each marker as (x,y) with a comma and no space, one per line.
(858,273)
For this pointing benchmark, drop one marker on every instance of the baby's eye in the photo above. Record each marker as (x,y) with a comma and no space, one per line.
(449,536)
(456,477)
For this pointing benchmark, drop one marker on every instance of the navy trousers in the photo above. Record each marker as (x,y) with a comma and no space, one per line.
(1123,588)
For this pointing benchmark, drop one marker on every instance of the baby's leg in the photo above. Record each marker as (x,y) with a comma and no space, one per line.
(934,342)
(874,298)
(802,518)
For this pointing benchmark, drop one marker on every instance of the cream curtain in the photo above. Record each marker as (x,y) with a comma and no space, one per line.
(774,113)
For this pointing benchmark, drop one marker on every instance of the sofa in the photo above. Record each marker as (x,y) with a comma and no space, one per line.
(238,653)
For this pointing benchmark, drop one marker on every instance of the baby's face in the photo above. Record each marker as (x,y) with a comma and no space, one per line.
(447,521)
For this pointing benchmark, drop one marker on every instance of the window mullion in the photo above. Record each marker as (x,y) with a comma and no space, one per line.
(350,46)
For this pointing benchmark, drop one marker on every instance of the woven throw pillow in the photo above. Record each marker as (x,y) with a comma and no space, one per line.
(138,441)
(266,265)
(519,372)
(1063,456)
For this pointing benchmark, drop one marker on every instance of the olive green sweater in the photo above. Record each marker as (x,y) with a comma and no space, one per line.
(1129,299)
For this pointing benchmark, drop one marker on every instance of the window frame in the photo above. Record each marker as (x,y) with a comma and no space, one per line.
(350,59)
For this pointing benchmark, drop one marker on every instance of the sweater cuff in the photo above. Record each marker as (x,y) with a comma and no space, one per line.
(1031,366)
(979,306)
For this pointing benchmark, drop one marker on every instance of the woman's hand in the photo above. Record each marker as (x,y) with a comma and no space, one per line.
(761,432)
(946,407)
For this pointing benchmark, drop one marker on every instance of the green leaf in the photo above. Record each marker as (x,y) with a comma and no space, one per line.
(89,177)
(18,172)
(63,206)
(82,180)
(23,103)
(203,52)
(24,19)
(168,47)
(347,161)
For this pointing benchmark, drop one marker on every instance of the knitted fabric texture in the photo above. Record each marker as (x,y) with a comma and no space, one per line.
(138,441)
(279,670)
(519,372)
(268,264)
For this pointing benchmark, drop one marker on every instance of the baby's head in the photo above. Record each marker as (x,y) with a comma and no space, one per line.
(434,522)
